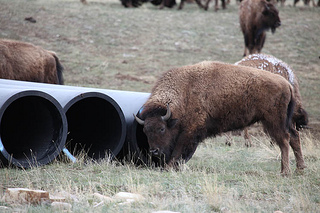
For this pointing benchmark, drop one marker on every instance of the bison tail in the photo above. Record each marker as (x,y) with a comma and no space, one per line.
(290,110)
(59,68)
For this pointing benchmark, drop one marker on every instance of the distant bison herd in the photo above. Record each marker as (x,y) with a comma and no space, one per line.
(191,103)
(171,3)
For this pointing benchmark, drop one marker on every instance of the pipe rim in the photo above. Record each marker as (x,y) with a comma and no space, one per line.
(115,151)
(63,134)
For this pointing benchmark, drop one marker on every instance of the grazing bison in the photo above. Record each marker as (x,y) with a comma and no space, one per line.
(300,116)
(206,6)
(257,16)
(306,2)
(216,6)
(191,103)
(26,62)
(138,3)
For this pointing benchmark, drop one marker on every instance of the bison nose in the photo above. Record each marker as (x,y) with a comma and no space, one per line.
(278,24)
(154,151)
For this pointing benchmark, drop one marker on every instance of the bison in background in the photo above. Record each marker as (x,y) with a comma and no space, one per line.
(300,116)
(256,17)
(26,62)
(191,103)
(306,2)
(138,3)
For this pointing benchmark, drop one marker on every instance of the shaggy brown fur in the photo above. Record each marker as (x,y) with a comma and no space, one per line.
(256,17)
(26,62)
(300,116)
(210,98)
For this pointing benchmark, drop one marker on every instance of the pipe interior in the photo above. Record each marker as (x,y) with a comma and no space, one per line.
(30,130)
(95,128)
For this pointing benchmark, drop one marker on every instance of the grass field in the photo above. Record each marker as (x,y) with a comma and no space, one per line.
(105,45)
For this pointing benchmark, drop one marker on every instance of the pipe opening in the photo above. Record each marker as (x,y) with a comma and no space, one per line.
(96,127)
(31,131)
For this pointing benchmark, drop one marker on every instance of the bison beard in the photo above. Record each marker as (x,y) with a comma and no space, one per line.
(210,98)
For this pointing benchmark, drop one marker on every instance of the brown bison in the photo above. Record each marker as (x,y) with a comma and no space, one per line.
(191,103)
(306,2)
(26,62)
(206,6)
(300,116)
(257,16)
(138,3)
(216,5)
(182,4)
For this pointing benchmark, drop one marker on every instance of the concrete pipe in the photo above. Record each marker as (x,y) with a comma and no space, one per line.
(134,148)
(33,127)
(96,124)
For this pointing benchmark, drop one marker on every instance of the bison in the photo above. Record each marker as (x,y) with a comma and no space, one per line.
(206,6)
(300,116)
(138,3)
(306,2)
(26,62)
(191,103)
(256,17)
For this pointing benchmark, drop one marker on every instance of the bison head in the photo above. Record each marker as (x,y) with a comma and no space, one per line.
(271,16)
(301,118)
(161,134)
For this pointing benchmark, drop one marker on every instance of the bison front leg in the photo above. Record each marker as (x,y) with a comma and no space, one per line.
(223,4)
(247,138)
(260,42)
(216,5)
(246,44)
(206,6)
(200,4)
(285,167)
(162,5)
(181,4)
(183,150)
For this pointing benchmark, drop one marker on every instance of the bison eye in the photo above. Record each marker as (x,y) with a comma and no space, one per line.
(162,130)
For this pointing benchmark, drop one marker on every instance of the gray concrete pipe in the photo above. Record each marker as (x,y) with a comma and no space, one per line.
(33,127)
(96,124)
(135,146)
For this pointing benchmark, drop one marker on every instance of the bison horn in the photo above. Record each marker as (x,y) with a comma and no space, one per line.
(168,114)
(140,121)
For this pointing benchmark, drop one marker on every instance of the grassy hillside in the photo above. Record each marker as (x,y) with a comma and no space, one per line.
(105,45)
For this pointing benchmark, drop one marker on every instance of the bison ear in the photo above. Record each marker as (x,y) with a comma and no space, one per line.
(171,123)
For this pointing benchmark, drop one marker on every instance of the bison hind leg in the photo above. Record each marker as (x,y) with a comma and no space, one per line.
(281,137)
(296,147)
